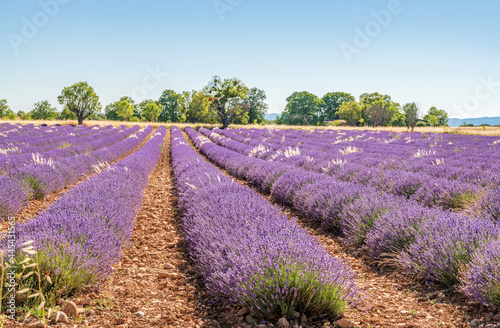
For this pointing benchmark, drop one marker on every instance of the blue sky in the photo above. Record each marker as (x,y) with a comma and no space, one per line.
(437,53)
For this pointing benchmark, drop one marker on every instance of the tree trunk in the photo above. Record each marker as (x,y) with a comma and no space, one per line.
(225,122)
(80,119)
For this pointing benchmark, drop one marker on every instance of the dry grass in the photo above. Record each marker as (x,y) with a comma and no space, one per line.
(483,131)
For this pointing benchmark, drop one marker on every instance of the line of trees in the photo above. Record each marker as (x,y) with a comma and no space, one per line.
(373,109)
(222,101)
(230,101)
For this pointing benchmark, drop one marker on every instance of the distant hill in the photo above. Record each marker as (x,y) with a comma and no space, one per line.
(475,121)
(271,117)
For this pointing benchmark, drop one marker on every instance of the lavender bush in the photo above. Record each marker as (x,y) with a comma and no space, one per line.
(480,279)
(444,244)
(253,254)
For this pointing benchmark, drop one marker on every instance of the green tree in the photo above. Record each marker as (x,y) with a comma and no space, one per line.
(380,113)
(350,112)
(412,113)
(10,115)
(66,114)
(43,110)
(81,99)
(198,109)
(302,108)
(227,98)
(23,115)
(124,110)
(440,114)
(150,110)
(433,120)
(332,102)
(3,107)
(171,103)
(257,106)
(369,98)
(111,110)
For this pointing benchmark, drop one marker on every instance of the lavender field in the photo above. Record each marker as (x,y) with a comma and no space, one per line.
(248,227)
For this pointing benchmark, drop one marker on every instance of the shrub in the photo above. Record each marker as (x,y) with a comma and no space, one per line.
(444,244)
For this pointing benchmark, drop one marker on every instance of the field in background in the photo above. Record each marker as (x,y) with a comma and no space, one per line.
(483,131)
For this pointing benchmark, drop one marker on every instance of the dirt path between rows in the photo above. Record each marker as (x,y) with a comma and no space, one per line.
(154,276)
(37,206)
(390,299)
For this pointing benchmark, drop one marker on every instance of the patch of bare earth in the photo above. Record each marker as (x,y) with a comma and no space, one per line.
(389,298)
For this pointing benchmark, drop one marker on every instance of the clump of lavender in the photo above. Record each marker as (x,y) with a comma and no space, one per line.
(323,201)
(358,218)
(480,279)
(447,194)
(284,189)
(490,204)
(444,244)
(12,198)
(397,228)
(41,178)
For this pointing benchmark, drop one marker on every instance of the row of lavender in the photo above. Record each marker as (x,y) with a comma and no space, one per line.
(438,245)
(64,140)
(47,176)
(247,251)
(438,155)
(416,150)
(21,137)
(474,191)
(82,234)
(69,146)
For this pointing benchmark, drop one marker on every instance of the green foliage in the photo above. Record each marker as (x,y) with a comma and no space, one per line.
(150,110)
(380,113)
(66,114)
(227,98)
(124,110)
(303,290)
(399,119)
(303,108)
(10,115)
(23,115)
(111,110)
(332,102)
(367,99)
(43,110)
(440,114)
(3,107)
(412,113)
(421,124)
(197,109)
(81,99)
(257,106)
(350,112)
(432,120)
(171,103)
